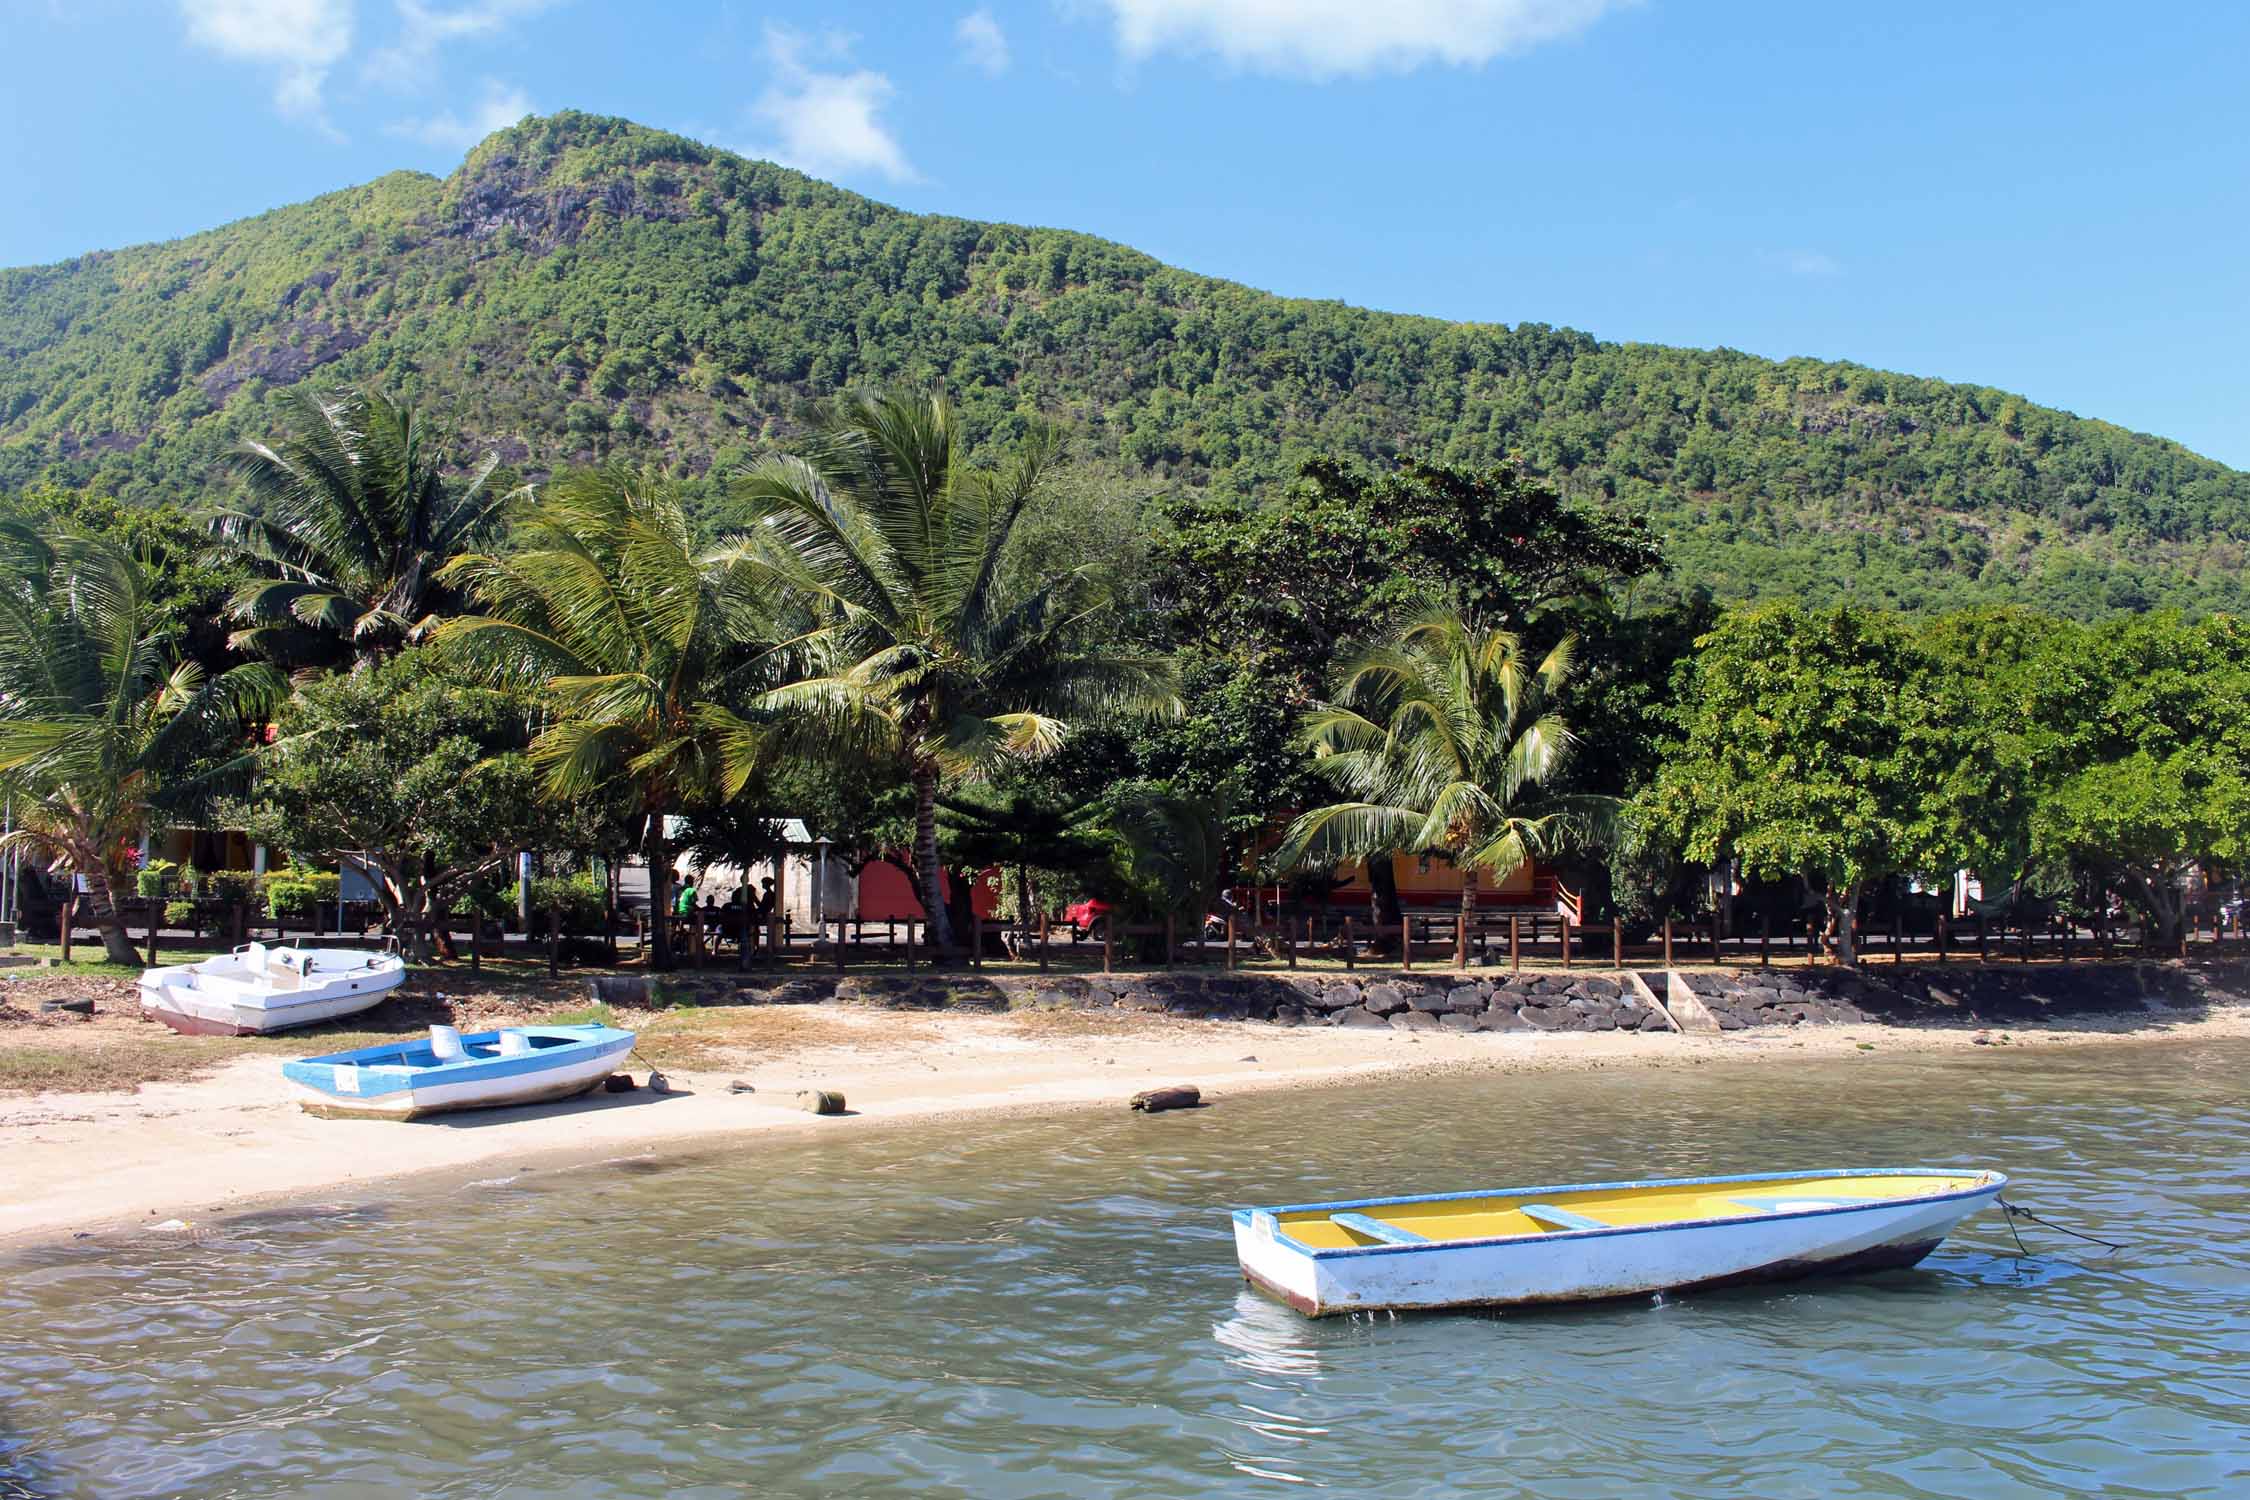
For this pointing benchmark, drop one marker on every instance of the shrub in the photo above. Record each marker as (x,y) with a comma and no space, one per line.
(295,891)
(154,878)
(180,914)
(581,899)
(233,885)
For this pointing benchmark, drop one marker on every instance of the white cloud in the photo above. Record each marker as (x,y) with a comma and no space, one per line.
(303,38)
(983,44)
(1803,262)
(502,105)
(1323,38)
(826,122)
(424,29)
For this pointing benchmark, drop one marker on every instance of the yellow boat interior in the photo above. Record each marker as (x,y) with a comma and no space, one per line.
(1560,1211)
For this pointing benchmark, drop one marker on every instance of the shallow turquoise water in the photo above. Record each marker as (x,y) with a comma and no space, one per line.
(1050,1307)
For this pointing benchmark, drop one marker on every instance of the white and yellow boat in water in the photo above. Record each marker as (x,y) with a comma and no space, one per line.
(1589,1241)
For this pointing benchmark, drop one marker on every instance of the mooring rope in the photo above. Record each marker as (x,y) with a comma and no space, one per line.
(2015,1212)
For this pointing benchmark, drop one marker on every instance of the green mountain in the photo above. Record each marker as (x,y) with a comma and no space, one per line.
(583,286)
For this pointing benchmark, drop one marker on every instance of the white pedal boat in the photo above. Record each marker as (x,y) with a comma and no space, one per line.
(1597,1240)
(405,1081)
(257,989)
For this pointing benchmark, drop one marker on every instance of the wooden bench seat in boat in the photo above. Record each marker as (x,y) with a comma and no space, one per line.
(1550,1217)
(1389,1234)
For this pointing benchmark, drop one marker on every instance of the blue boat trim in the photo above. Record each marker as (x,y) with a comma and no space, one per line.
(1558,1218)
(1241,1216)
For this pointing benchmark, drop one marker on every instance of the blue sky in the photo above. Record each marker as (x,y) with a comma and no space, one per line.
(2052,198)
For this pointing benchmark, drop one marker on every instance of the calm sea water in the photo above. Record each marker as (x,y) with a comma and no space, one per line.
(1039,1308)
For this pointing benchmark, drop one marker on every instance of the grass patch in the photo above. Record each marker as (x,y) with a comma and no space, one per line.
(98,967)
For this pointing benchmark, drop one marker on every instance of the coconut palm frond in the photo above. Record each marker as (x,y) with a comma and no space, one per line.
(1443,741)
(346,524)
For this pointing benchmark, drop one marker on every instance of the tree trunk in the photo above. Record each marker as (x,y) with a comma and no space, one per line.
(1468,915)
(960,903)
(658,850)
(932,875)
(2162,896)
(103,916)
(1843,913)
(1382,879)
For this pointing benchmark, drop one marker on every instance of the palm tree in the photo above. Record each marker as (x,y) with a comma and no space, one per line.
(1447,743)
(97,714)
(936,654)
(638,642)
(350,522)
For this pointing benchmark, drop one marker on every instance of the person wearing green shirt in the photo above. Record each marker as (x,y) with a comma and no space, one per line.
(686,901)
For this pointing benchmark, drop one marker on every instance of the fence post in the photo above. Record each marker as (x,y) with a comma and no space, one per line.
(1288,941)
(1941,935)
(1351,956)
(1715,959)
(1230,942)
(1171,935)
(554,941)
(1616,943)
(1667,942)
(1405,942)
(476,940)
(155,920)
(1898,934)
(976,938)
(1515,943)
(1765,938)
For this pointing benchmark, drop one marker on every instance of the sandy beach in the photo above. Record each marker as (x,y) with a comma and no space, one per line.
(86,1164)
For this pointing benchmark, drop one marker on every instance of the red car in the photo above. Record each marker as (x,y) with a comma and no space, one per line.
(1083,914)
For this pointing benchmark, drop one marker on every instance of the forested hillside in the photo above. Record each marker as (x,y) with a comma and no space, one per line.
(584,286)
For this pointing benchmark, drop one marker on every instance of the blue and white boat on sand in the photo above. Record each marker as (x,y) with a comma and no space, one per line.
(514,1065)
(1588,1241)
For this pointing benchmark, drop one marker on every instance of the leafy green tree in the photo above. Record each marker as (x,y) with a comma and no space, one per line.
(933,655)
(2141,740)
(421,781)
(347,523)
(188,588)
(1446,742)
(640,646)
(1989,671)
(99,720)
(1813,746)
(1021,829)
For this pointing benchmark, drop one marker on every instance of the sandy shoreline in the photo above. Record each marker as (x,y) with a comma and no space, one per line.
(86,1164)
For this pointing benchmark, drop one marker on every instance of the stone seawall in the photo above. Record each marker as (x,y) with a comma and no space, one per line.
(1734,1000)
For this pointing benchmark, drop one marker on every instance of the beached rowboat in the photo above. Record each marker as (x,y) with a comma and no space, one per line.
(515,1065)
(1605,1239)
(258,989)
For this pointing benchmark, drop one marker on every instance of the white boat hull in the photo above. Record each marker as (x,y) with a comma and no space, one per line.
(1593,1264)
(240,995)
